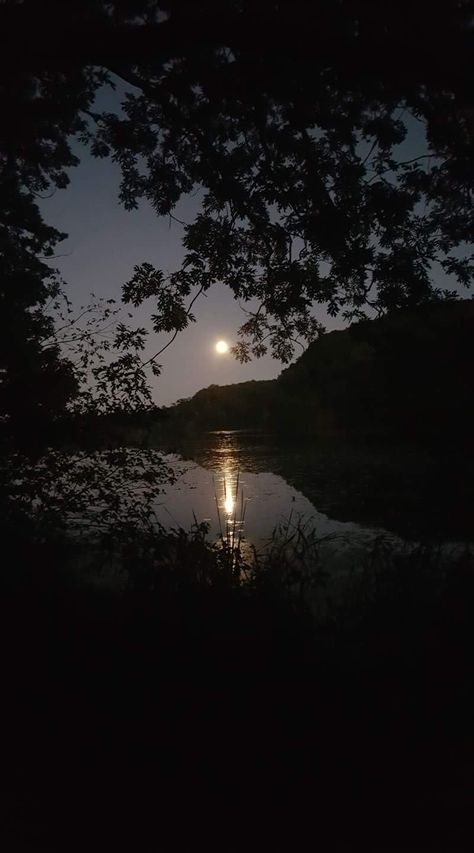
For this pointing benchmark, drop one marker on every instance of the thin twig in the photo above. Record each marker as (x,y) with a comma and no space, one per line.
(175,335)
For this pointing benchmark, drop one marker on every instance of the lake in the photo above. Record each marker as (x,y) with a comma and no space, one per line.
(347,493)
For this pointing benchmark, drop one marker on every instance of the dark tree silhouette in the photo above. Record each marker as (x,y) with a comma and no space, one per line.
(46,365)
(40,112)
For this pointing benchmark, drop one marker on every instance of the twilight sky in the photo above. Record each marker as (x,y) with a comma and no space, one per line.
(105,242)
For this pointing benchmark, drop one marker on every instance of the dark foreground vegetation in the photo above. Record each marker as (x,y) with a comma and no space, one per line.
(202,697)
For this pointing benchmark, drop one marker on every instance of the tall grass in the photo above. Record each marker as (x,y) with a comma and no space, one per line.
(231,529)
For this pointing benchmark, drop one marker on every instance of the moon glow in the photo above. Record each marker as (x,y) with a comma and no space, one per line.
(222,347)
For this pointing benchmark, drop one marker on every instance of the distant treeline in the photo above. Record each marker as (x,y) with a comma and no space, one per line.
(407,375)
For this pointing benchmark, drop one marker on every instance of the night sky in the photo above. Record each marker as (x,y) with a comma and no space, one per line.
(105,242)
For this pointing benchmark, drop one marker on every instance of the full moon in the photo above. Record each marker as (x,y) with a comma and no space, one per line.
(222,346)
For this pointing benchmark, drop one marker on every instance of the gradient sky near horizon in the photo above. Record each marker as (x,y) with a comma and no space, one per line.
(105,242)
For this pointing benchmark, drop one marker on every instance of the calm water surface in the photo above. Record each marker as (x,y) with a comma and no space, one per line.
(346,493)
(229,481)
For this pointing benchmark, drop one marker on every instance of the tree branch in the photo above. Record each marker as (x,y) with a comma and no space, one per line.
(175,335)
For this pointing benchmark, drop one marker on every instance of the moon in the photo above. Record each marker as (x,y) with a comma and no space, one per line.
(222,347)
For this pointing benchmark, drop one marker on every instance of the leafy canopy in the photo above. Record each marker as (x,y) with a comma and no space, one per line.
(287,117)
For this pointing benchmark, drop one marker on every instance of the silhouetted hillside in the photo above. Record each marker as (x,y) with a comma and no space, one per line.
(227,406)
(407,375)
